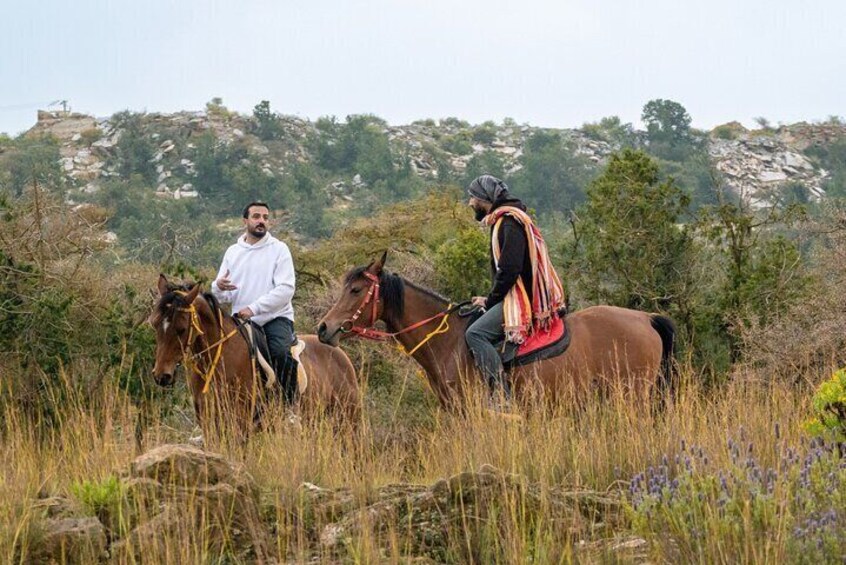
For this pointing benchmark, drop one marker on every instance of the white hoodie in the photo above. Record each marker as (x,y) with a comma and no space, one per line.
(264,275)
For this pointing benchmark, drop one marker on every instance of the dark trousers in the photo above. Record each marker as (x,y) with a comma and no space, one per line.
(280,338)
(481,337)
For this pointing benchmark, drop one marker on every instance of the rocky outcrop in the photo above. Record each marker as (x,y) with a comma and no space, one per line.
(754,164)
(185,489)
(424,519)
(178,497)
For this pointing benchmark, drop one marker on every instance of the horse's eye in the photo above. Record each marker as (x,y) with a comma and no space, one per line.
(355,290)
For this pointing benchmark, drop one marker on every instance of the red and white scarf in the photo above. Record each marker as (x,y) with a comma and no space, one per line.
(521,315)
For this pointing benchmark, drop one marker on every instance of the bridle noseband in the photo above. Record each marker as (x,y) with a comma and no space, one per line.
(370,332)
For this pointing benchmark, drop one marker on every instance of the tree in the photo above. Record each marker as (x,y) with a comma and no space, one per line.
(631,250)
(553,176)
(267,125)
(611,129)
(487,162)
(309,214)
(762,270)
(25,161)
(134,149)
(668,130)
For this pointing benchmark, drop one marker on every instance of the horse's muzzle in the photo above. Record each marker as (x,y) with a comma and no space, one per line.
(164,379)
(326,336)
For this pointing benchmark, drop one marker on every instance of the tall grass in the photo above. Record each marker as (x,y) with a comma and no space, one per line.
(599,446)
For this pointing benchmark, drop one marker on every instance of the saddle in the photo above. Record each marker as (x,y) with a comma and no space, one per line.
(256,339)
(541,344)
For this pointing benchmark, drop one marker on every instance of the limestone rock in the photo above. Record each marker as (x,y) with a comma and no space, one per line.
(71,540)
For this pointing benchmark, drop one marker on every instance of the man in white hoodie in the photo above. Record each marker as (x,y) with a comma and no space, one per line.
(257,278)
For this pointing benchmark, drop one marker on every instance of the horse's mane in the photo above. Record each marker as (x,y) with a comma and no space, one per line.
(392,290)
(175,297)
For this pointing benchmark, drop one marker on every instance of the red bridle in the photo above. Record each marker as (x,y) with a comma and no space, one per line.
(369,331)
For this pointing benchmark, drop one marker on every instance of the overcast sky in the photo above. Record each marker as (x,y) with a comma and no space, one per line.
(548,63)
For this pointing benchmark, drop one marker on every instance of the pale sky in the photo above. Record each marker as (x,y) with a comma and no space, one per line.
(547,63)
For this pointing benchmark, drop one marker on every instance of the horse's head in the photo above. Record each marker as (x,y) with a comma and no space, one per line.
(359,306)
(174,321)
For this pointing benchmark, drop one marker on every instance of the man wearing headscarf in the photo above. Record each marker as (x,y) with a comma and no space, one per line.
(525,292)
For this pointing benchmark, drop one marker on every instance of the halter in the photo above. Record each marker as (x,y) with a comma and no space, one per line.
(371,333)
(190,359)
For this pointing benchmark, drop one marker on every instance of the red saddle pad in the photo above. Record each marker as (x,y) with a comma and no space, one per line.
(540,338)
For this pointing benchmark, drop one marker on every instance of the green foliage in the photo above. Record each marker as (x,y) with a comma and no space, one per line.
(89,136)
(134,149)
(668,130)
(832,157)
(695,175)
(632,251)
(458,144)
(485,133)
(361,146)
(216,109)
(612,130)
(309,214)
(487,162)
(163,231)
(553,177)
(107,500)
(462,264)
(454,123)
(228,178)
(763,271)
(829,405)
(267,126)
(695,511)
(725,131)
(25,161)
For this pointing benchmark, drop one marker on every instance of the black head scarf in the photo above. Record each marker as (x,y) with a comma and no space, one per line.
(488,188)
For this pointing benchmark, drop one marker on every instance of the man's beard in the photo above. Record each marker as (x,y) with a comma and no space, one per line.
(480,214)
(258,234)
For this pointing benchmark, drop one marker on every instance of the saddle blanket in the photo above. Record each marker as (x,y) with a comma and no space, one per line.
(541,344)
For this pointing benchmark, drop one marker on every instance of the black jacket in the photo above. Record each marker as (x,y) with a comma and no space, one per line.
(514,260)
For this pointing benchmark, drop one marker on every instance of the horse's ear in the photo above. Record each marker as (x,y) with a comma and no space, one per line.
(376,266)
(192,294)
(163,286)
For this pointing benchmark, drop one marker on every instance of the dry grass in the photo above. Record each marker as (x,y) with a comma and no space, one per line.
(598,446)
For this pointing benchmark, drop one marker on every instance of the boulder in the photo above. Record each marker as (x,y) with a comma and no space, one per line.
(71,540)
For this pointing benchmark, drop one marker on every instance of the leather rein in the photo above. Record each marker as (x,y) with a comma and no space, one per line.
(370,332)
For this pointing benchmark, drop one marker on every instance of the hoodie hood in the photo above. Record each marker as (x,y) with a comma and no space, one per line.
(263,242)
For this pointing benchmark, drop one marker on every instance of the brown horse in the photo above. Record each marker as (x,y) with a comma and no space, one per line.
(191,329)
(610,347)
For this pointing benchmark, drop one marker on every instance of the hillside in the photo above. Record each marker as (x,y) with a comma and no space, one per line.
(753,163)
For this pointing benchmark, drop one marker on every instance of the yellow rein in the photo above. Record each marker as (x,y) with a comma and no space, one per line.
(443,327)
(195,325)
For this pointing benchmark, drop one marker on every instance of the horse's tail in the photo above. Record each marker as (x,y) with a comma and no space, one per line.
(667,330)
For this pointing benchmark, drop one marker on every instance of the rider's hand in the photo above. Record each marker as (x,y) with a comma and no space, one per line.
(245,313)
(479,301)
(223,283)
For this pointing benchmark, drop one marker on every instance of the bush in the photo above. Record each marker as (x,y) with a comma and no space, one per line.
(89,136)
(485,133)
(106,500)
(457,144)
(829,404)
(462,264)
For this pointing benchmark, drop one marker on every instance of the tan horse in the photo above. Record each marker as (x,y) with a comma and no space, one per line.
(191,329)
(610,347)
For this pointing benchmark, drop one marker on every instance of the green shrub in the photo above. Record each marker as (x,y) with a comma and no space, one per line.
(829,405)
(462,264)
(106,500)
